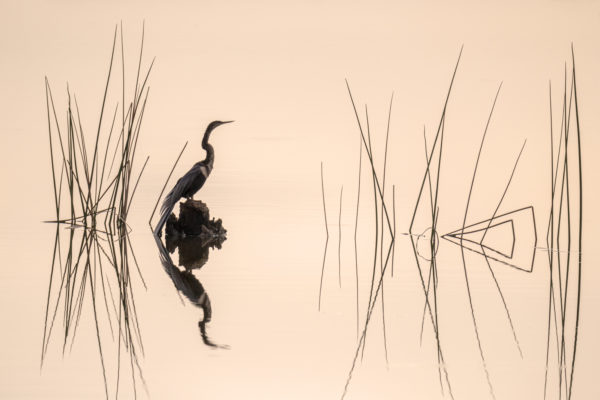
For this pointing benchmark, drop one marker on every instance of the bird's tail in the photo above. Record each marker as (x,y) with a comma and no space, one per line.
(168,204)
(165,211)
(161,223)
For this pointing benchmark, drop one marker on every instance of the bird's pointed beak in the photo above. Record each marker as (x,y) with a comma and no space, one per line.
(227,122)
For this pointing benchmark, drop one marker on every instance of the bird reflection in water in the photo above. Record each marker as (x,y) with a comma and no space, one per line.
(193,254)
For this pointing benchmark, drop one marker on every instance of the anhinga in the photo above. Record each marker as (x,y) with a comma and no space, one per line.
(192,181)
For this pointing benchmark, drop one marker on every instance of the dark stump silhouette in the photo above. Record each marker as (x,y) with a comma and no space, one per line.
(194,233)
(194,220)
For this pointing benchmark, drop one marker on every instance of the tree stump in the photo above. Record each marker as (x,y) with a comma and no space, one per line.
(194,220)
(193,233)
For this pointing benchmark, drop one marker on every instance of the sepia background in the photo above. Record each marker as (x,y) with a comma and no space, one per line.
(279,71)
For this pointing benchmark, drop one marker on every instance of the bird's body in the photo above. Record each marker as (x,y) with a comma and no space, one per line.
(199,173)
(192,181)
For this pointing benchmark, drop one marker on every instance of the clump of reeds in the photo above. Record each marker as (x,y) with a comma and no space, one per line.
(384,235)
(94,185)
(564,240)
(98,180)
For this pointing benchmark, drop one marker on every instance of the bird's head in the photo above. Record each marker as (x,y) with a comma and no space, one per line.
(214,124)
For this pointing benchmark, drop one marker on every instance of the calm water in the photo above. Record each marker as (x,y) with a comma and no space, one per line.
(280,76)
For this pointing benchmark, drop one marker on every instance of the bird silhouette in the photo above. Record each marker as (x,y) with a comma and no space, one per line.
(192,181)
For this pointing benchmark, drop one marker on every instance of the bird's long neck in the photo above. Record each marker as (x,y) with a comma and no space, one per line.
(210,152)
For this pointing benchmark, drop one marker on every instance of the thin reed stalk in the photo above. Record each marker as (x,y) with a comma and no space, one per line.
(326,239)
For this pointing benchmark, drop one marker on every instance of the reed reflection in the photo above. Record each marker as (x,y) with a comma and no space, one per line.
(94,267)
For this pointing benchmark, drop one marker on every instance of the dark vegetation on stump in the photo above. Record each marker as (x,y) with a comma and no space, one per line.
(194,220)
